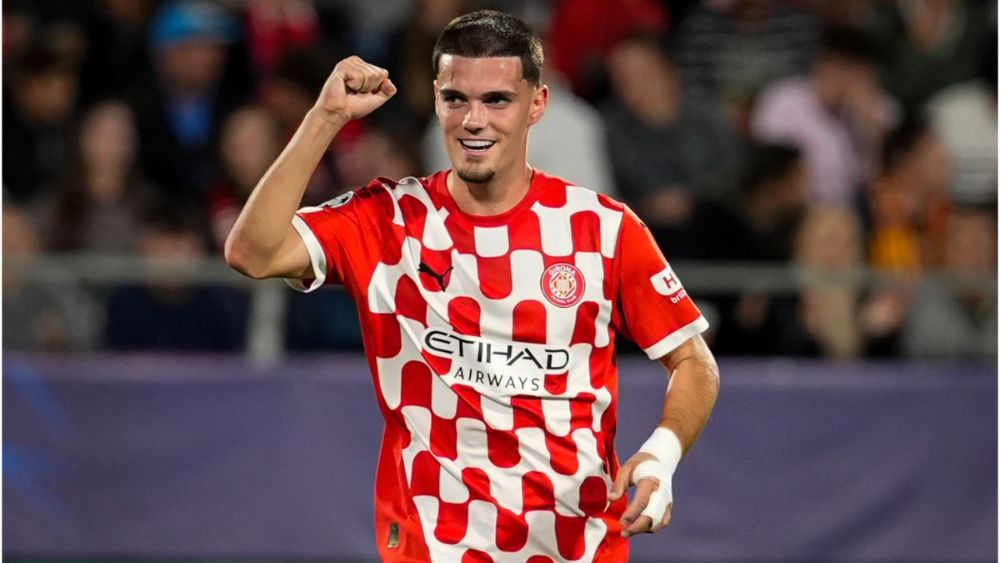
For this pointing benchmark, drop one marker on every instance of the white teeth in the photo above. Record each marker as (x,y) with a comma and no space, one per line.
(477,145)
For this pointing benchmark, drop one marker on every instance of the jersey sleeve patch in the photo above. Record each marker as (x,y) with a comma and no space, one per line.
(657,312)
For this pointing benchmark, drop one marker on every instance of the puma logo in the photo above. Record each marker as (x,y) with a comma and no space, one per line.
(425,269)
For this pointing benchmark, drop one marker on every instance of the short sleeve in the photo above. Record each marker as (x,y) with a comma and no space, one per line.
(334,237)
(655,310)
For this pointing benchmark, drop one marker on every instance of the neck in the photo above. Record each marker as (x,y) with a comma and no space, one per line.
(760,213)
(663,112)
(108,182)
(827,91)
(494,197)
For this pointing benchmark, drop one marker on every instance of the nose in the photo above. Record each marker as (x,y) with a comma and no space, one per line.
(475,118)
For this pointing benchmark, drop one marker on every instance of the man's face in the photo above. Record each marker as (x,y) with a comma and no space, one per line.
(642,79)
(485,108)
(858,81)
(193,65)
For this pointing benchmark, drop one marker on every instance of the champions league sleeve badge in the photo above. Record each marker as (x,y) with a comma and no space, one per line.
(563,285)
(339,201)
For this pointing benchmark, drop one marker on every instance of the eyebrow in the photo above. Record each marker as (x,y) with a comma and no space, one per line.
(491,94)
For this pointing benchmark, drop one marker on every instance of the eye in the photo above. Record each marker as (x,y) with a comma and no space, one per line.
(499,101)
(452,99)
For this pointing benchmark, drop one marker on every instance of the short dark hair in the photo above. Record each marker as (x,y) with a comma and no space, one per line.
(767,162)
(851,43)
(488,33)
(903,139)
(41,58)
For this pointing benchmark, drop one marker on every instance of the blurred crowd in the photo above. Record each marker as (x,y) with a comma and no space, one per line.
(832,136)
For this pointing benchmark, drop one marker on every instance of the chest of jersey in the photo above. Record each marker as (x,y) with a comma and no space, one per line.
(504,308)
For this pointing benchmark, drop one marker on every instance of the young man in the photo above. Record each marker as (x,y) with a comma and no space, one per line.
(490,296)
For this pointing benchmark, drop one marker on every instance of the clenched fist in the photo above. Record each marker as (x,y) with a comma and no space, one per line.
(355,89)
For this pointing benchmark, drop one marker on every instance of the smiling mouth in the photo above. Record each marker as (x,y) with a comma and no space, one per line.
(476,146)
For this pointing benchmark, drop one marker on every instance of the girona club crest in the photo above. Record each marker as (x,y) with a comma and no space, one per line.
(563,285)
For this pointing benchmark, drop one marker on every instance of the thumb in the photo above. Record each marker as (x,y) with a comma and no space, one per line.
(336,88)
(388,89)
(621,483)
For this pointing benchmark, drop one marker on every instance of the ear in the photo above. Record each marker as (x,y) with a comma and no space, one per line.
(539,101)
(437,105)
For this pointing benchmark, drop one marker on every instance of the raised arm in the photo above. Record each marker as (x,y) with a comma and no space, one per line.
(691,394)
(263,243)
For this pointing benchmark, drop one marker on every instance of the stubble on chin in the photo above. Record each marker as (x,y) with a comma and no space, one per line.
(473,176)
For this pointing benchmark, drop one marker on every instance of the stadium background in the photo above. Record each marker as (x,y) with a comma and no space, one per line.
(158,406)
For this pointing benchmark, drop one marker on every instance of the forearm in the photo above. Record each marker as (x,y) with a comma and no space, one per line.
(691,395)
(264,222)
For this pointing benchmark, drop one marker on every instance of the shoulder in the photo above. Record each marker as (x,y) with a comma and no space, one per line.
(557,192)
(785,102)
(379,195)
(796,87)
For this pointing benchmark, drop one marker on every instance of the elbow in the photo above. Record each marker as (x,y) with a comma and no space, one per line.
(241,260)
(712,379)
(714,376)
(710,369)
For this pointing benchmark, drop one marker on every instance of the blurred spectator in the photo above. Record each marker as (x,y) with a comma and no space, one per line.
(821,319)
(98,206)
(37,109)
(289,93)
(841,318)
(965,115)
(910,200)
(180,110)
(583,33)
(117,57)
(276,28)
(569,141)
(379,153)
(929,44)
(372,23)
(668,150)
(249,142)
(837,115)
(959,319)
(409,111)
(292,88)
(829,246)
(757,225)
(169,315)
(18,26)
(728,50)
(48,316)
(760,221)
(847,13)
(909,206)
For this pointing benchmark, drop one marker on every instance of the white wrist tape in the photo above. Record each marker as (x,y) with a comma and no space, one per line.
(665,446)
(661,498)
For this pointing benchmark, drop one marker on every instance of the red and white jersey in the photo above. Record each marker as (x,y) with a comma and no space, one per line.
(491,340)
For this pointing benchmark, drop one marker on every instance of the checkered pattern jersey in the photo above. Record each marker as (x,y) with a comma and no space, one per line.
(491,340)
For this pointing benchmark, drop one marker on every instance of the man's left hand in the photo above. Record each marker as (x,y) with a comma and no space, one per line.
(653,501)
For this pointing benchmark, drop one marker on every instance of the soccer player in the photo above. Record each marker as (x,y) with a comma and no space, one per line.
(490,297)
